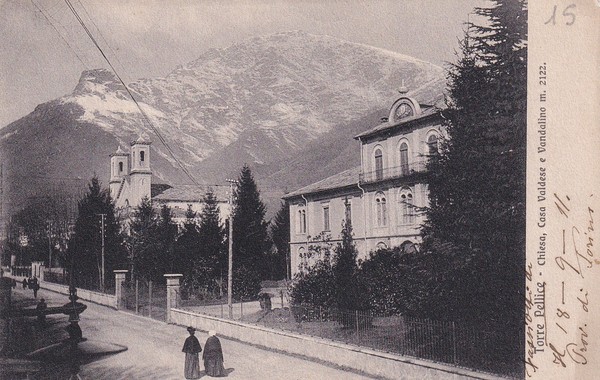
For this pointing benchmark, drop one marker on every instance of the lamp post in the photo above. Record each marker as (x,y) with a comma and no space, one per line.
(230,254)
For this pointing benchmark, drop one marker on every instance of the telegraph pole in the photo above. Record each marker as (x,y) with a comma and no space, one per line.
(102,216)
(230,255)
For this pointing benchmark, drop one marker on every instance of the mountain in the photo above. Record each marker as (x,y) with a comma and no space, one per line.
(282,103)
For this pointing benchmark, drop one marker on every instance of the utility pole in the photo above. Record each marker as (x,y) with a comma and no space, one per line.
(102,216)
(49,244)
(230,256)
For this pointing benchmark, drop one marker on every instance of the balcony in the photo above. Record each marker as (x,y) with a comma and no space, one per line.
(394,172)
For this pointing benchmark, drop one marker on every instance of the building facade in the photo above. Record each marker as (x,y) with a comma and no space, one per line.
(383,198)
(131,181)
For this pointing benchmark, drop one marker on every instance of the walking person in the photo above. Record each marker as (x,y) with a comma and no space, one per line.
(192,348)
(24,283)
(213,356)
(35,286)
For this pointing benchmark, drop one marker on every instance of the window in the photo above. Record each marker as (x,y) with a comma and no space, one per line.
(142,157)
(348,211)
(301,226)
(378,164)
(381,207)
(381,245)
(121,167)
(406,207)
(326,218)
(404,159)
(432,144)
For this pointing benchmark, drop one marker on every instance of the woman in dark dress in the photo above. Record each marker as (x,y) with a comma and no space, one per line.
(213,356)
(191,347)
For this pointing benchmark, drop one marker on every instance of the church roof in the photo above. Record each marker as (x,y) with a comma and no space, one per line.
(192,193)
(119,152)
(346,178)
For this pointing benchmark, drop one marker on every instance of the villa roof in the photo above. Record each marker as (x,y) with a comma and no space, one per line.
(427,112)
(343,179)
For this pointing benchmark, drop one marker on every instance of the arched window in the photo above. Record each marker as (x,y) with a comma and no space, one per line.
(408,247)
(381,245)
(381,209)
(404,159)
(302,257)
(121,167)
(378,164)
(301,226)
(432,144)
(406,207)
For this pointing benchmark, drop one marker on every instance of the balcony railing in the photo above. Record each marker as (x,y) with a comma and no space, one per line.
(418,166)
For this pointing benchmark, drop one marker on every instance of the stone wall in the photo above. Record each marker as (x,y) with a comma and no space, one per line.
(84,294)
(369,361)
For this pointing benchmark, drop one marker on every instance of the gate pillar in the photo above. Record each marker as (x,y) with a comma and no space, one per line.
(119,284)
(173,284)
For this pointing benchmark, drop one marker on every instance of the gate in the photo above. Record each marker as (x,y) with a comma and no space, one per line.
(147,298)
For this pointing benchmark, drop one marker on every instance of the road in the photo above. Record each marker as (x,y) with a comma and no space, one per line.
(154,350)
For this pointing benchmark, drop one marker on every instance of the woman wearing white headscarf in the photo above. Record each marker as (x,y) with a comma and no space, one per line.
(213,356)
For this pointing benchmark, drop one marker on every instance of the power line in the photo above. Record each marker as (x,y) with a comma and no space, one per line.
(144,115)
(59,34)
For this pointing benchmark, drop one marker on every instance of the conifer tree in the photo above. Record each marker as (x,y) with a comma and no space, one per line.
(250,236)
(280,235)
(167,235)
(187,246)
(476,216)
(212,249)
(145,242)
(84,253)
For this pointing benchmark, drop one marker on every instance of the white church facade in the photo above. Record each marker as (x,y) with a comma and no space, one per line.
(131,181)
(383,198)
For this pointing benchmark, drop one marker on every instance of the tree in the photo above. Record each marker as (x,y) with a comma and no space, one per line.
(187,246)
(476,216)
(250,237)
(167,235)
(344,270)
(212,251)
(84,249)
(280,235)
(145,243)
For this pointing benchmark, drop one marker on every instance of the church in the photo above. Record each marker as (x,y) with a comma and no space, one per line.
(383,198)
(131,181)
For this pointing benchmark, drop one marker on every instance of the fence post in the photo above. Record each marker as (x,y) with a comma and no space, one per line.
(357,329)
(119,280)
(150,299)
(454,343)
(172,291)
(137,296)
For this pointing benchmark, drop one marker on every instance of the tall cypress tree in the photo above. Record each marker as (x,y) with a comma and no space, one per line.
(476,217)
(167,234)
(187,246)
(84,251)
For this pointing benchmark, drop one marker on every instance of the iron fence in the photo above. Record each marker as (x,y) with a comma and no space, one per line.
(146,298)
(449,342)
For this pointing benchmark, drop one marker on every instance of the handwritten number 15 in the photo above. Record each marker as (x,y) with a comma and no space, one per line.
(567,13)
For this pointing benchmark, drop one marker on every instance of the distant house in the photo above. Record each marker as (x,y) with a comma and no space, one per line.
(383,197)
(131,181)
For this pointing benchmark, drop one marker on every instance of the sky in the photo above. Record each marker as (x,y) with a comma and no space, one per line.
(44,49)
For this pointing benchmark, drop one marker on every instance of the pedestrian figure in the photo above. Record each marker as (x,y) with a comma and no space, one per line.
(213,356)
(41,306)
(24,283)
(14,283)
(192,348)
(35,288)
